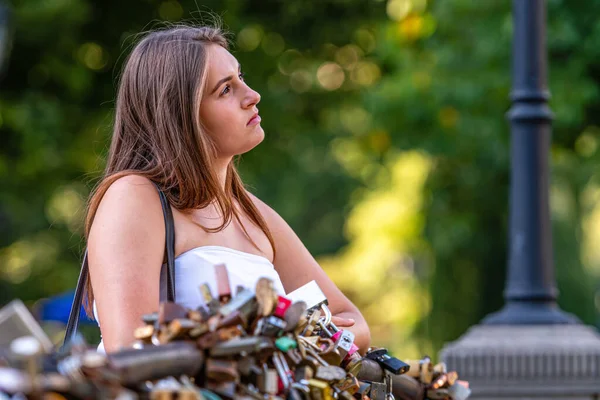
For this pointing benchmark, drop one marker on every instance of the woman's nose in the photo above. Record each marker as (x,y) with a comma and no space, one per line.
(251,99)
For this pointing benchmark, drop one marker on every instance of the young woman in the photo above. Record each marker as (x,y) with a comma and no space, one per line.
(183,113)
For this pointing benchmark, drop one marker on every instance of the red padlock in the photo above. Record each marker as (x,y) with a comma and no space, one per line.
(282,305)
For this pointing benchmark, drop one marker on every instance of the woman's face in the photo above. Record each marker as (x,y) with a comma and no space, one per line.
(228,110)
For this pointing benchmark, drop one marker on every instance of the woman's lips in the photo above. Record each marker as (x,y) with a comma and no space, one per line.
(254,120)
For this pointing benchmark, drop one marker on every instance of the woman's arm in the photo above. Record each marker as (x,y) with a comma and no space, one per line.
(125,252)
(296,267)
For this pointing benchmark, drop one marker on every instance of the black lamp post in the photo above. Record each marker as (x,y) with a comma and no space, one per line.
(531,288)
(5,35)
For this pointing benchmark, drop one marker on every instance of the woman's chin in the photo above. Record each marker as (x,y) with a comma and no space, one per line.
(254,139)
(257,136)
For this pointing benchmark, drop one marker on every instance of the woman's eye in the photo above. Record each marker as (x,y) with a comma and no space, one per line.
(228,87)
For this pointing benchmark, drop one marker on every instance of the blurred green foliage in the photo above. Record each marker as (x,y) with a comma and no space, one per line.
(387,149)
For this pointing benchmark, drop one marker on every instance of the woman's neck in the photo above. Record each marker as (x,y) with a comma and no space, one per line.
(221,167)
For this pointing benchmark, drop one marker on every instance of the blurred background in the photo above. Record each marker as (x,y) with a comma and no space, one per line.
(387,147)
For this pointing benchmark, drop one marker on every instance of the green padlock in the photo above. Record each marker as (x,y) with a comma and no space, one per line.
(285,343)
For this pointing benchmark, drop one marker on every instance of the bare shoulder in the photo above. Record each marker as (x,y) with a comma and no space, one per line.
(133,187)
(130,205)
(132,193)
(272,218)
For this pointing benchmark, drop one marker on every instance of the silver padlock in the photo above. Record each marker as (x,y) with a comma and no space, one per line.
(459,392)
(311,294)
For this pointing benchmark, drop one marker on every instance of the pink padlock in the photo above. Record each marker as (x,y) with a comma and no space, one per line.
(282,305)
(353,348)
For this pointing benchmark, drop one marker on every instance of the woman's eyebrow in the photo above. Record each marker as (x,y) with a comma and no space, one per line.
(226,79)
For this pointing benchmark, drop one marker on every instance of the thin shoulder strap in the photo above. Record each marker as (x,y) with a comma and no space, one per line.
(169,245)
(73,322)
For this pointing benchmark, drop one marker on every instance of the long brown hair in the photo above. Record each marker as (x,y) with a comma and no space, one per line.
(158,133)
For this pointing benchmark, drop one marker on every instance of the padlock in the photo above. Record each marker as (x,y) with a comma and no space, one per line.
(344,342)
(295,316)
(320,390)
(233,319)
(294,356)
(282,306)
(211,304)
(221,370)
(200,329)
(349,384)
(378,391)
(330,374)
(270,326)
(439,368)
(229,333)
(244,302)
(313,319)
(268,381)
(309,293)
(352,363)
(285,343)
(388,363)
(223,286)
(266,297)
(242,345)
(459,391)
(426,375)
(444,380)
(181,326)
(168,311)
(435,394)
(329,352)
(196,316)
(144,333)
(303,372)
(363,389)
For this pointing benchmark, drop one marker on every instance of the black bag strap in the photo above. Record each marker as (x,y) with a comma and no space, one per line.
(73,322)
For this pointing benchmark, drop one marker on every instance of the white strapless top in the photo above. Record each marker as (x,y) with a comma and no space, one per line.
(195,267)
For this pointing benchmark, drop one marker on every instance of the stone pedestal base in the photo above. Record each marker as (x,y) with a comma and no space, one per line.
(528,362)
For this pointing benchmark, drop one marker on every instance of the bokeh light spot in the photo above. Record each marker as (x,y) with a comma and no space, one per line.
(330,76)
(92,56)
(273,44)
(411,27)
(365,39)
(348,56)
(67,206)
(288,60)
(366,73)
(419,6)
(448,117)
(300,81)
(355,119)
(249,38)
(398,9)
(587,143)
